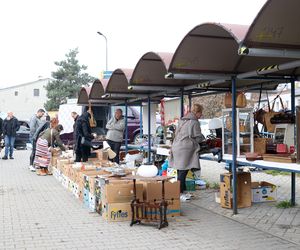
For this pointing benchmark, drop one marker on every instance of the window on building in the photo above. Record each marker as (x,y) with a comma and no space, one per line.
(16,93)
(298,102)
(36,92)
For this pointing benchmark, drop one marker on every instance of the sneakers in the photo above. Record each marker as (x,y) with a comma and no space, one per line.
(190,195)
(4,157)
(31,168)
(11,158)
(185,197)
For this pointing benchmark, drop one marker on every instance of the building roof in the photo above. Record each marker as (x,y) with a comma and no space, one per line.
(25,84)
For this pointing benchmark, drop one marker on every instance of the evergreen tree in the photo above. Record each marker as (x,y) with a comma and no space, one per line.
(67,81)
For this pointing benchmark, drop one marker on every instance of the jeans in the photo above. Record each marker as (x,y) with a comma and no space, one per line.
(32,156)
(115,146)
(181,176)
(9,145)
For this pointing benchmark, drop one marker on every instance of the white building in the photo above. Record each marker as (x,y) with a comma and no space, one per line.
(24,99)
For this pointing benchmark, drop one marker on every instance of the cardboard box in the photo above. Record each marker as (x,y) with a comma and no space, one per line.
(116,211)
(118,193)
(101,155)
(61,162)
(153,190)
(86,198)
(75,190)
(173,209)
(243,190)
(263,191)
(92,203)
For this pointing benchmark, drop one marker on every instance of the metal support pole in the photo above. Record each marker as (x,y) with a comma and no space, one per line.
(181,103)
(149,131)
(293,174)
(190,102)
(141,121)
(234,149)
(126,127)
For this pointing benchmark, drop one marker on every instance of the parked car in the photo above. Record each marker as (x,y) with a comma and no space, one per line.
(133,122)
(101,115)
(22,136)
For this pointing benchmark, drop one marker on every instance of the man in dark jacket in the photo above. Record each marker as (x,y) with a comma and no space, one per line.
(1,123)
(83,129)
(10,128)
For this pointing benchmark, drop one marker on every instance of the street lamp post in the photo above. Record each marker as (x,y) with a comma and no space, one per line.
(105,47)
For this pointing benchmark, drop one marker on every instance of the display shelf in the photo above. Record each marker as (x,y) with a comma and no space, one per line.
(244,126)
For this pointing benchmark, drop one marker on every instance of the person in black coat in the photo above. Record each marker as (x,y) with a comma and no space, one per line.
(1,123)
(83,129)
(10,128)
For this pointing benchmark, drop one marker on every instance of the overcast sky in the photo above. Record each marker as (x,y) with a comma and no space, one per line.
(35,33)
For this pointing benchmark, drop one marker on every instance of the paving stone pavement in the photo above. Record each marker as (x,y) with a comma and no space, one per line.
(263,216)
(36,212)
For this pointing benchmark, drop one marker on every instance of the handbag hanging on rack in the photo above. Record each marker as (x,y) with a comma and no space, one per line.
(92,120)
(241,101)
(270,127)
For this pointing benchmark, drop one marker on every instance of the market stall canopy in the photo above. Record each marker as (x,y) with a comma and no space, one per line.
(92,95)
(118,84)
(97,89)
(210,52)
(274,33)
(151,70)
(83,96)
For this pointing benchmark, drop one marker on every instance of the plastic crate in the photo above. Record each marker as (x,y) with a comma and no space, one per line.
(190,185)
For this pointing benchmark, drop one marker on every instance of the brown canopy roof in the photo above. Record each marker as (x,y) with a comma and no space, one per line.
(119,81)
(151,70)
(209,48)
(276,25)
(83,96)
(212,48)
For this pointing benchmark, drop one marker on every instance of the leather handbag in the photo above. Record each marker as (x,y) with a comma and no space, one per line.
(241,101)
(86,142)
(283,118)
(271,148)
(281,149)
(270,127)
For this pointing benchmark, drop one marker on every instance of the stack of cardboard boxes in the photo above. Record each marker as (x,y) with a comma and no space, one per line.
(247,191)
(110,196)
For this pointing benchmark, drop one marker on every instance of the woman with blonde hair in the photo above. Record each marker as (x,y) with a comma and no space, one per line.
(185,147)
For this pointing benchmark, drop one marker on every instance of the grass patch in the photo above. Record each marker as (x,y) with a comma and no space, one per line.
(276,172)
(212,185)
(284,204)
